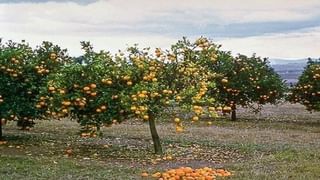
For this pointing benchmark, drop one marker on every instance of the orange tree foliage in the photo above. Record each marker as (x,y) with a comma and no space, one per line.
(88,90)
(241,80)
(307,90)
(99,89)
(22,72)
(246,81)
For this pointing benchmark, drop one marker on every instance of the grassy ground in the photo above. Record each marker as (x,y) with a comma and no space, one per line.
(282,142)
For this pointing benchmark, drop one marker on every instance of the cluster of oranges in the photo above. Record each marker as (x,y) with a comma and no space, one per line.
(202,91)
(14,68)
(179,126)
(90,90)
(107,81)
(199,111)
(203,43)
(307,90)
(246,80)
(41,69)
(188,173)
(42,102)
(127,80)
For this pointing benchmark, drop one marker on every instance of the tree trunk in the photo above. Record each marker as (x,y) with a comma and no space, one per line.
(154,134)
(233,113)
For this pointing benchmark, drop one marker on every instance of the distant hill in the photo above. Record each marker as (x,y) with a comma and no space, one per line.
(289,70)
(287,61)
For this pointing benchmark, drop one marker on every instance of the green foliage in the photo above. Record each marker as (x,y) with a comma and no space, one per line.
(22,72)
(245,81)
(87,90)
(98,89)
(307,90)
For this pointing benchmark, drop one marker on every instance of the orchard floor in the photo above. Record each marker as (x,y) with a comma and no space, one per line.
(281,142)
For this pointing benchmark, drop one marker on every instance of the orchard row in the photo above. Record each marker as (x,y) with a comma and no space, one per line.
(99,89)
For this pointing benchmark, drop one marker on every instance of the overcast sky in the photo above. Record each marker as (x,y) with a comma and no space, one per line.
(271,28)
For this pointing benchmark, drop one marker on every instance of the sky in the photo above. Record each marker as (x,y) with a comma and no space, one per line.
(286,29)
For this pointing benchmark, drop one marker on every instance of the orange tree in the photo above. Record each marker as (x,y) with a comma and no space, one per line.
(100,89)
(167,80)
(307,90)
(47,59)
(13,58)
(246,81)
(22,72)
(189,73)
(87,90)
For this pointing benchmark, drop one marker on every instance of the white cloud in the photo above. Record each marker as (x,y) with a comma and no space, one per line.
(131,12)
(287,46)
(293,45)
(111,24)
(108,43)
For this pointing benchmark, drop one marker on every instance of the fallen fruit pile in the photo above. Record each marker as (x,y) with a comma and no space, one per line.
(187,173)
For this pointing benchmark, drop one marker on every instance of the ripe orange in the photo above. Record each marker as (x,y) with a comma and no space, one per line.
(195,118)
(224,80)
(62,91)
(93,86)
(177,120)
(66,103)
(133,108)
(109,82)
(93,94)
(219,108)
(156,175)
(144,174)
(179,129)
(86,88)
(126,78)
(146,117)
(129,83)
(51,88)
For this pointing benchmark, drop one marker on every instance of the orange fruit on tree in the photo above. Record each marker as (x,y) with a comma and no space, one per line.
(93,86)
(146,117)
(224,80)
(129,83)
(51,88)
(93,94)
(86,88)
